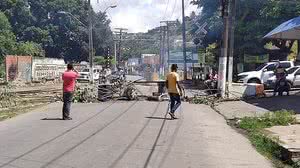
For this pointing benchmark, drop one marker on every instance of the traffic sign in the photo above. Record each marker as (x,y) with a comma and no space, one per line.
(201,28)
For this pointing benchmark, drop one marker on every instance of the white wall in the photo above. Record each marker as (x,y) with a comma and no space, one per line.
(49,68)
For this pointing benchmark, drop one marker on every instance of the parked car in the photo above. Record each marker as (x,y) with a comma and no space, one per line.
(263,72)
(293,77)
(84,75)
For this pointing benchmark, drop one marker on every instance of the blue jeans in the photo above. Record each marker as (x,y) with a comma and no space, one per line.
(175,101)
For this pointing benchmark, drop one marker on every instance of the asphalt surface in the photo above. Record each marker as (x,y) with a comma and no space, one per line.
(124,135)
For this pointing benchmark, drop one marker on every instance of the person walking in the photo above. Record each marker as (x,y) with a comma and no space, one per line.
(69,77)
(174,90)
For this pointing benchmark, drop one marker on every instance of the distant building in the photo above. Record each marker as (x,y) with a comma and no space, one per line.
(133,62)
(177,58)
(150,59)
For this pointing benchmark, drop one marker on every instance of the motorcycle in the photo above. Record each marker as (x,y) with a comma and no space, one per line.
(282,85)
(212,86)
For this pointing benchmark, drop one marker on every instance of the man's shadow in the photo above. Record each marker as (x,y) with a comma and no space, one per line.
(51,119)
(159,118)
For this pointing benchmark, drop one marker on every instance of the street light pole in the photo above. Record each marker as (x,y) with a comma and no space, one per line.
(231,40)
(90,29)
(91,46)
(184,40)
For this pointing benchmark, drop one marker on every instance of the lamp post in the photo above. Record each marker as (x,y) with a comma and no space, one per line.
(68,13)
(112,6)
(184,41)
(90,28)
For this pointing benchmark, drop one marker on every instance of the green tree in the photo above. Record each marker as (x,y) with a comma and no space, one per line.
(254,19)
(60,35)
(30,48)
(37,35)
(100,60)
(211,55)
(18,13)
(7,37)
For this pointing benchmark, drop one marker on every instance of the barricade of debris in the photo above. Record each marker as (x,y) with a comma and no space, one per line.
(86,93)
(7,97)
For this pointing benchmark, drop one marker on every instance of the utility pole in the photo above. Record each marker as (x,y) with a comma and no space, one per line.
(115,47)
(168,24)
(168,45)
(160,51)
(163,51)
(91,45)
(231,40)
(184,40)
(224,51)
(120,33)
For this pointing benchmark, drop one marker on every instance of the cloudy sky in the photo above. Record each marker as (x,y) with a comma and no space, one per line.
(142,15)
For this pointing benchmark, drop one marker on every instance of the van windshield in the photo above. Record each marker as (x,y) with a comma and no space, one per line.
(260,67)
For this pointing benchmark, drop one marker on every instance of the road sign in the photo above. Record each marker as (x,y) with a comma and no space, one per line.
(201,28)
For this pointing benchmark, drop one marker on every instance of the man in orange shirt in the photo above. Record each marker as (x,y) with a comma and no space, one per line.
(69,77)
(174,90)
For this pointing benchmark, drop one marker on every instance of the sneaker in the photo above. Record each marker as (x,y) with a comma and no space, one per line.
(67,118)
(172,115)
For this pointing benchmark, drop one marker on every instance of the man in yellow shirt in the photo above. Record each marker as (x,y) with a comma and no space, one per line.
(174,90)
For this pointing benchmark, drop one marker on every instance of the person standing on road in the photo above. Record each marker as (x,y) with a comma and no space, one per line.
(69,77)
(174,89)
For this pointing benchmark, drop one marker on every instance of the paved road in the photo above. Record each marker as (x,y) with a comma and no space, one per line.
(124,135)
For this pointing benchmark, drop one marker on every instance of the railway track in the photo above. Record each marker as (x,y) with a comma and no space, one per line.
(12,98)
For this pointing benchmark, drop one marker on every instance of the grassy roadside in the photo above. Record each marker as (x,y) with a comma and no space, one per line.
(267,146)
(15,111)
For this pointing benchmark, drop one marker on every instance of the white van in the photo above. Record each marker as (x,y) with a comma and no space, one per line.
(263,72)
(84,75)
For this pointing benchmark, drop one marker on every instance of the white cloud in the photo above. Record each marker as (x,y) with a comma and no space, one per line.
(142,15)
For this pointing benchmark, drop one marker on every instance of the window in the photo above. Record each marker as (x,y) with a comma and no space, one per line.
(292,70)
(285,65)
(271,67)
(261,67)
(298,72)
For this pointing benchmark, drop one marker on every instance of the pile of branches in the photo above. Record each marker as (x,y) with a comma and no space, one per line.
(85,94)
(207,100)
(7,97)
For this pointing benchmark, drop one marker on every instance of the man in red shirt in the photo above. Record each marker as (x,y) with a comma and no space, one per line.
(69,78)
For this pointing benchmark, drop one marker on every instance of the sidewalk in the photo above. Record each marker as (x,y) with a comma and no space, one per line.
(288,136)
(239,109)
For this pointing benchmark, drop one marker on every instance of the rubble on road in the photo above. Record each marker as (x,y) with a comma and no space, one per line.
(86,93)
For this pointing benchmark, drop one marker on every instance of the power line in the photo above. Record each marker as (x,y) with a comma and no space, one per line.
(166,9)
(174,7)
(187,4)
